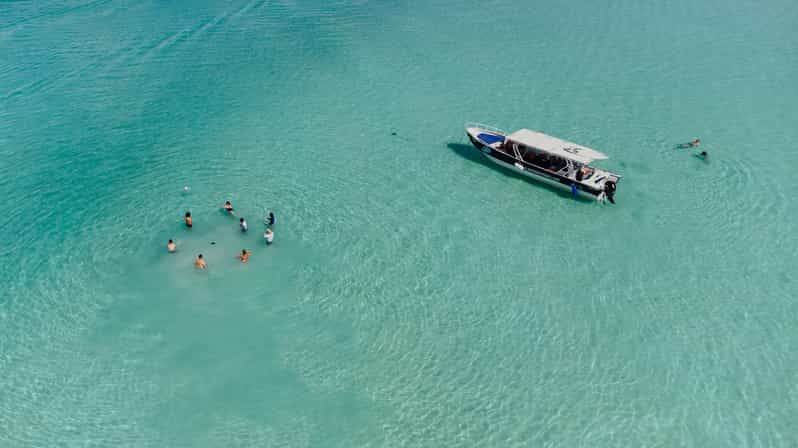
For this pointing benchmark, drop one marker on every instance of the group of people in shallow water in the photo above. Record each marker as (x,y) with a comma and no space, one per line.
(200,263)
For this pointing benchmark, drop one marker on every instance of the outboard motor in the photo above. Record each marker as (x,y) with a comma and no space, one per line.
(609,190)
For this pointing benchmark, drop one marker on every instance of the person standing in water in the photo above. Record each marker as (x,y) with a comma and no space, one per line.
(270,219)
(171,246)
(243,224)
(189,222)
(244,257)
(268,235)
(200,262)
(228,207)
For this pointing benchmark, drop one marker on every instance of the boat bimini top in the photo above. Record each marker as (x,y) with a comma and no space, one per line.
(556,146)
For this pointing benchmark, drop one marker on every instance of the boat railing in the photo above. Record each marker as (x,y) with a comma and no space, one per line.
(485,127)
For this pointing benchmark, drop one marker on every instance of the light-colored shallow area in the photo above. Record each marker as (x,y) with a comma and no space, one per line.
(415,294)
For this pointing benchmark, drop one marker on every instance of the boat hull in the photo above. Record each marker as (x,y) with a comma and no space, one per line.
(545,178)
(474,141)
(531,171)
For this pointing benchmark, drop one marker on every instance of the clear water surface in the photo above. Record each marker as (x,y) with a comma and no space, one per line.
(415,296)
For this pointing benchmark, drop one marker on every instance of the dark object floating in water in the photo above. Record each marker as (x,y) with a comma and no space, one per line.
(702,155)
(213,242)
(393,133)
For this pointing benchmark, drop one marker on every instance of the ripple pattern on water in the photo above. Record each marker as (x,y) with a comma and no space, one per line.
(415,295)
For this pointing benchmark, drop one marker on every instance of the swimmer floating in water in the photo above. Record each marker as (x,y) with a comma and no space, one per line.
(243,224)
(171,246)
(228,207)
(703,155)
(200,262)
(270,219)
(189,221)
(268,235)
(693,144)
(244,256)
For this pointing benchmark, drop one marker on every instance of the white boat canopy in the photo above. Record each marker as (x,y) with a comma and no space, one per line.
(554,145)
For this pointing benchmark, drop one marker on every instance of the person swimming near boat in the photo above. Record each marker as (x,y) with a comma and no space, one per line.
(200,262)
(189,221)
(270,219)
(693,144)
(268,235)
(171,246)
(243,224)
(244,256)
(228,207)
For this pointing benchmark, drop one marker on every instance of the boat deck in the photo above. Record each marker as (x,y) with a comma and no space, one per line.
(490,139)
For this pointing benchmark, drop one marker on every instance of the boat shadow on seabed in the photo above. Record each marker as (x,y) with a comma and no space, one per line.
(472,154)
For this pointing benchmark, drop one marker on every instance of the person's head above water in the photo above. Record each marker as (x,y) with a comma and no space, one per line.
(241,220)
(188,214)
(226,202)
(199,256)
(243,251)
(170,241)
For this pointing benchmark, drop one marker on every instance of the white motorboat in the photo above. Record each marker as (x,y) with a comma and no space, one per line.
(546,158)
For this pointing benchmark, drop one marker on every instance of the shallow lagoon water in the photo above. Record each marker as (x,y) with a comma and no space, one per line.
(415,295)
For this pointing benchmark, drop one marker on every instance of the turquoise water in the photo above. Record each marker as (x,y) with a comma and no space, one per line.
(415,295)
